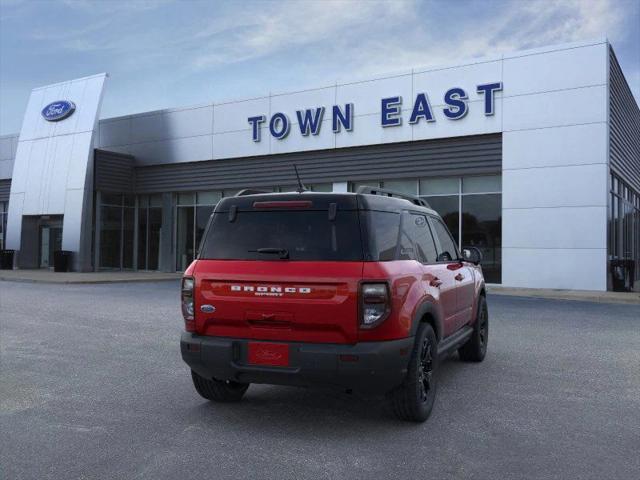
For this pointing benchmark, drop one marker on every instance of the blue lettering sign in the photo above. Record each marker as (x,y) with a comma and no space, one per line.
(345,119)
(488,90)
(279,125)
(255,126)
(310,119)
(421,109)
(456,99)
(310,122)
(390,111)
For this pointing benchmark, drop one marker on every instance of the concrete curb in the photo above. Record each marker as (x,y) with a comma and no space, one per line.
(79,278)
(627,298)
(87,282)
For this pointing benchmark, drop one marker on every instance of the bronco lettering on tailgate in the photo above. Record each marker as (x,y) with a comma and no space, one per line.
(269,290)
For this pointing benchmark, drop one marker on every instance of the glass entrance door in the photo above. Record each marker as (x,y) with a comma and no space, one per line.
(44,247)
(50,241)
(149,231)
(117,231)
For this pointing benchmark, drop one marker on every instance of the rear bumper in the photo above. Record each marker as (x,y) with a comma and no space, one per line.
(373,367)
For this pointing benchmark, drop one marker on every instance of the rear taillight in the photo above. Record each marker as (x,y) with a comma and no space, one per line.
(375,304)
(187,303)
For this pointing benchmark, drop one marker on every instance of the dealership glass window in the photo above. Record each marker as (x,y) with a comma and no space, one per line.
(440,186)
(4,207)
(321,187)
(402,186)
(229,193)
(409,186)
(624,236)
(482,228)
(110,235)
(482,184)
(193,212)
(471,207)
(117,231)
(185,245)
(313,187)
(354,186)
(128,236)
(149,231)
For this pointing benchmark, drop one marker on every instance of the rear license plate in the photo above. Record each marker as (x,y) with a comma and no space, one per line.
(271,354)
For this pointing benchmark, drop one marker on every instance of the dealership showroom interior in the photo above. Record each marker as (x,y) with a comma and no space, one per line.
(532,157)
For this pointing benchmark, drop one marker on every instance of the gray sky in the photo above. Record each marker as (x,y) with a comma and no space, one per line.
(169,53)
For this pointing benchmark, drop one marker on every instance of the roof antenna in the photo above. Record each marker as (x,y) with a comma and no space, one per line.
(301,187)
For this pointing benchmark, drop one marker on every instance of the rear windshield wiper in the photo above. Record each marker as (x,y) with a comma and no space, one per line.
(282,252)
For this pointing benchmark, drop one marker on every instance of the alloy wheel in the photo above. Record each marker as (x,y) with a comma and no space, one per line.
(483,331)
(425,370)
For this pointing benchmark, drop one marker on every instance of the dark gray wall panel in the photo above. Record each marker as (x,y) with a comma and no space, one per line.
(478,154)
(624,126)
(113,172)
(5,189)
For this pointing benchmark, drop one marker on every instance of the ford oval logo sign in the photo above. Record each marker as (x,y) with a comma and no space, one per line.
(56,111)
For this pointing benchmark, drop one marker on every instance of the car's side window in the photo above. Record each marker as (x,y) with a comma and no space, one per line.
(383,240)
(406,242)
(418,226)
(448,250)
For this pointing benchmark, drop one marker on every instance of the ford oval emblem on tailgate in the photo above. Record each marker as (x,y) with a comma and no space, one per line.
(207,308)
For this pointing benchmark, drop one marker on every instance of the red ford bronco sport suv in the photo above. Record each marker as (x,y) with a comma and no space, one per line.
(364,291)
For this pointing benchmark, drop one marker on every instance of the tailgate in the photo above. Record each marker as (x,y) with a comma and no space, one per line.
(299,301)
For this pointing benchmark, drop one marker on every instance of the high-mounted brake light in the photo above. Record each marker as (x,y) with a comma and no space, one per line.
(284,204)
(375,304)
(187,304)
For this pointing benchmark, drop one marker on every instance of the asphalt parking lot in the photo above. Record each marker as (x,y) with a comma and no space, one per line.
(92,386)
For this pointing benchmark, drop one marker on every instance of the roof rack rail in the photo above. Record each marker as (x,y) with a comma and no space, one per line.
(390,193)
(250,191)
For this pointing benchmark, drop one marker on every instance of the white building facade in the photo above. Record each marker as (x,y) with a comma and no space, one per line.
(534,157)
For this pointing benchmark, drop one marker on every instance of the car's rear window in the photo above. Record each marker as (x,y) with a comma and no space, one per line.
(304,234)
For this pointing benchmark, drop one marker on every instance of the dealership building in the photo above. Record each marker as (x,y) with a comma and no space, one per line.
(533,157)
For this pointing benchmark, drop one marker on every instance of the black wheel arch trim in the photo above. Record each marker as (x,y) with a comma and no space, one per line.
(427,309)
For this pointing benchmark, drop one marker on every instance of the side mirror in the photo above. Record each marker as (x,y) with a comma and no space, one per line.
(472,254)
(444,257)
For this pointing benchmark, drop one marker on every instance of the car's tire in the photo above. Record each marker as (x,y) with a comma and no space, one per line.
(413,400)
(476,347)
(218,390)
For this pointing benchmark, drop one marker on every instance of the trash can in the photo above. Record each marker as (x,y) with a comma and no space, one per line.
(621,273)
(6,259)
(61,260)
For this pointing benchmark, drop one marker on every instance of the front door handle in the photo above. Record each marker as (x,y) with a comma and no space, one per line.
(459,277)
